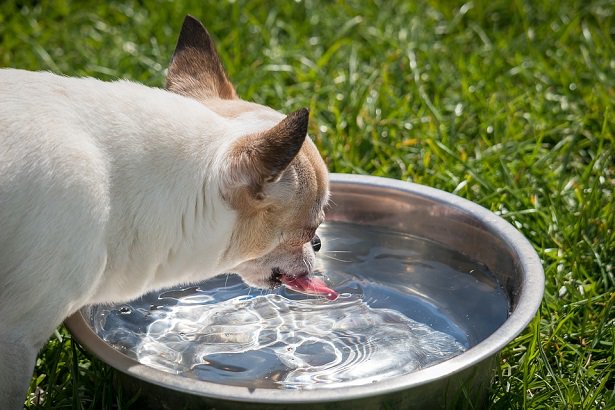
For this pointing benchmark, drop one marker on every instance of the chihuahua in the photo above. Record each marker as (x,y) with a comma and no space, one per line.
(109,190)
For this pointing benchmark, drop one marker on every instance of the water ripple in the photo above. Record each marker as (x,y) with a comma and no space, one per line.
(303,343)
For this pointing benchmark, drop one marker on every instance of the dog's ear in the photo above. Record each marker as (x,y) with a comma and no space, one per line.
(258,159)
(195,69)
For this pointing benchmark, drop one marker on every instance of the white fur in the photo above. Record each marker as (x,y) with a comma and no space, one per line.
(101,180)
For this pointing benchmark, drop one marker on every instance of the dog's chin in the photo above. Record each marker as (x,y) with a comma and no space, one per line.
(261,281)
(272,280)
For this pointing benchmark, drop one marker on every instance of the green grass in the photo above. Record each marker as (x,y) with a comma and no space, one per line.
(509,103)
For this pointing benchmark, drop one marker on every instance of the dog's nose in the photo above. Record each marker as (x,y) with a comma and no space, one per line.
(315,243)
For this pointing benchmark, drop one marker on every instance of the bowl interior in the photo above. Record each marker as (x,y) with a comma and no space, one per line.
(514,277)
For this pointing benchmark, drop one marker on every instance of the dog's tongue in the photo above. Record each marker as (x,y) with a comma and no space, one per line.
(309,285)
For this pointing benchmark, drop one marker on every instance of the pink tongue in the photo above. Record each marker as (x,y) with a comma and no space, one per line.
(309,285)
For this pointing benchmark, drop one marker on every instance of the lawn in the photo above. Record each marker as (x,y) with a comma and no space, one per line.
(509,103)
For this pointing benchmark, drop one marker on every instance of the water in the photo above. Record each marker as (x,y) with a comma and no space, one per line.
(405,304)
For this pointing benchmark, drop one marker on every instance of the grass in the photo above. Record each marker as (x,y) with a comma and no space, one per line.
(509,103)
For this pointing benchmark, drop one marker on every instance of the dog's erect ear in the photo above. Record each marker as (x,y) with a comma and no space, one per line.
(195,69)
(261,158)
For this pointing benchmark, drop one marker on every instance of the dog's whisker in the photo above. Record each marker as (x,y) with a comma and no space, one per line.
(335,259)
(329,240)
(307,265)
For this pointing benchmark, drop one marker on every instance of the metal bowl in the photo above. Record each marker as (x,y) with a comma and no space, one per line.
(418,210)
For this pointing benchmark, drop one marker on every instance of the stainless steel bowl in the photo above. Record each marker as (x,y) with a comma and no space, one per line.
(417,210)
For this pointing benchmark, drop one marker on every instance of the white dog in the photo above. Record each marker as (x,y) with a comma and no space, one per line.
(110,190)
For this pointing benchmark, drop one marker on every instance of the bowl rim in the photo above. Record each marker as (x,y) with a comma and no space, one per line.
(529,300)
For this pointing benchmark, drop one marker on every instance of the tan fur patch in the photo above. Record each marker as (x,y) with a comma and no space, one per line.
(232,108)
(291,208)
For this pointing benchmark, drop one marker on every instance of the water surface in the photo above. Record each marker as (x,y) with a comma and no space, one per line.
(405,304)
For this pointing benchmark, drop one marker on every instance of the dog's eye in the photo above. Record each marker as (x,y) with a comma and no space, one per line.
(315,242)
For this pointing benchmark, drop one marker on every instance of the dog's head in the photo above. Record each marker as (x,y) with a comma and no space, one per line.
(273,176)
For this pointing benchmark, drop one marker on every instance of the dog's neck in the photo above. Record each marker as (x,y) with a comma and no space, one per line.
(178,228)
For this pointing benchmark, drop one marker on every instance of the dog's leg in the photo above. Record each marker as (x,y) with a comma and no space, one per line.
(16,369)
(23,333)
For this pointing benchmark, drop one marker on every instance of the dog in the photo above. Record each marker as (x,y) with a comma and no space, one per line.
(109,190)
